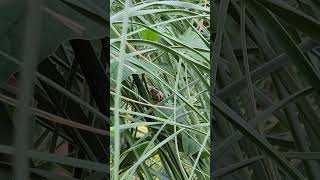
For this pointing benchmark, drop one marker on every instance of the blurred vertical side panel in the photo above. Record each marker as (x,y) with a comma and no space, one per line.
(65,134)
(265,89)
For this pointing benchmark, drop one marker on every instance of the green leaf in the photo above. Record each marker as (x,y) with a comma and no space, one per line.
(149,35)
(190,147)
(192,39)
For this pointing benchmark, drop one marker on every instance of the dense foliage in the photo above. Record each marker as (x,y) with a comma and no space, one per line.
(159,85)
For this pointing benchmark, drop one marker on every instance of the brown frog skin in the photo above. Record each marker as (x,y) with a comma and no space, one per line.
(155,94)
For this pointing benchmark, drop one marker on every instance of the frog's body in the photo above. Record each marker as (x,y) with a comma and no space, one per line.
(155,94)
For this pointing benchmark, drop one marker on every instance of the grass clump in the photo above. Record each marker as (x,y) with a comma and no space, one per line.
(159,86)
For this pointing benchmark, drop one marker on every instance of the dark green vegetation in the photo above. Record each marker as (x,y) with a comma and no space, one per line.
(53,89)
(159,90)
(266,120)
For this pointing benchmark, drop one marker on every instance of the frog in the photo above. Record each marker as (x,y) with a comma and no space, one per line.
(155,94)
